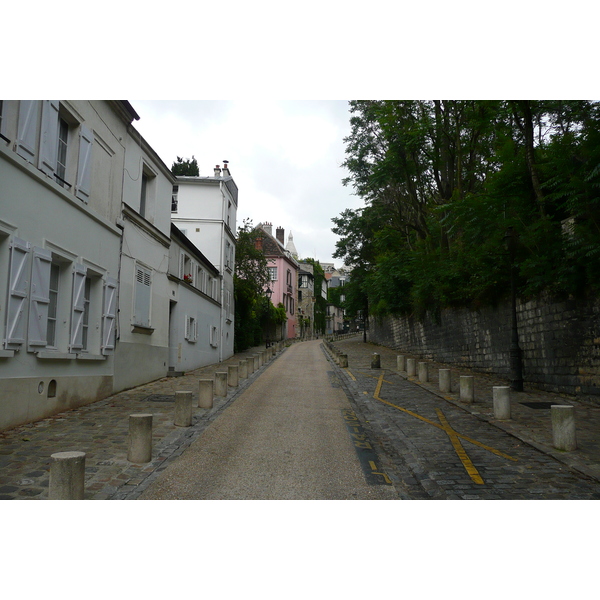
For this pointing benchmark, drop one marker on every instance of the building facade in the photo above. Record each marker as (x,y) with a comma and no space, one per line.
(283,275)
(204,209)
(61,166)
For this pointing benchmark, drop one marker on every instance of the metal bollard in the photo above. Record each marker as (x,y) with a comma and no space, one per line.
(423,372)
(140,438)
(205,393)
(501,400)
(233,375)
(411,367)
(401,362)
(563,427)
(445,384)
(67,471)
(221,384)
(375,361)
(467,389)
(183,409)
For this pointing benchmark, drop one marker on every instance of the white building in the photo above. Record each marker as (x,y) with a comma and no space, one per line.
(205,210)
(195,306)
(61,168)
(142,352)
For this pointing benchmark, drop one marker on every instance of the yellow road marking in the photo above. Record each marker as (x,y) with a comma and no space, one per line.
(375,472)
(460,435)
(458,448)
(349,373)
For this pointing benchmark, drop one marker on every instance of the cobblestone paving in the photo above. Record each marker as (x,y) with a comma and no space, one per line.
(101,431)
(421,437)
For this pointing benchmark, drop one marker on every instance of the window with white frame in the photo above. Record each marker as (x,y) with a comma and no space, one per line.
(214,337)
(143,296)
(272,273)
(174,201)
(191,329)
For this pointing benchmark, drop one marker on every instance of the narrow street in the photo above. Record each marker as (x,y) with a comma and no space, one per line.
(285,437)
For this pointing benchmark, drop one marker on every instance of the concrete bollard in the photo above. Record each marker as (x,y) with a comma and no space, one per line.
(205,393)
(563,427)
(256,364)
(501,400)
(467,389)
(221,384)
(183,409)
(243,369)
(344,361)
(401,363)
(423,372)
(375,361)
(260,359)
(250,360)
(233,376)
(140,438)
(445,384)
(67,471)
(411,367)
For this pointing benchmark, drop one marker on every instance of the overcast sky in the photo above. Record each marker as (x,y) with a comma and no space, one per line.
(285,157)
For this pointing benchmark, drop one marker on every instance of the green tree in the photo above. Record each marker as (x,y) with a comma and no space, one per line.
(186,167)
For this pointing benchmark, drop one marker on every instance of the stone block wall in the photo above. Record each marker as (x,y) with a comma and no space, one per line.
(560,342)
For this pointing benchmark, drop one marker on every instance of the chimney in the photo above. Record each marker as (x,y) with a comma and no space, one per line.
(268,227)
(226,172)
(218,171)
(279,234)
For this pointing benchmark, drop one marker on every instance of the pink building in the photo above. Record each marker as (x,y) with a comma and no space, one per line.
(283,269)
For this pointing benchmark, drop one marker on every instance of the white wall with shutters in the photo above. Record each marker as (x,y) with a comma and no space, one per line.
(84,163)
(18,293)
(27,132)
(49,137)
(77,307)
(143,294)
(39,299)
(109,315)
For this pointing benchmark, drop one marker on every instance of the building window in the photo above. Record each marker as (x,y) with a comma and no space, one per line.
(272,273)
(191,329)
(174,198)
(86,314)
(143,194)
(143,294)
(53,305)
(289,277)
(61,158)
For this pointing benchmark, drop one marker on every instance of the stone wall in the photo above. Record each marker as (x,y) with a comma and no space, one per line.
(560,342)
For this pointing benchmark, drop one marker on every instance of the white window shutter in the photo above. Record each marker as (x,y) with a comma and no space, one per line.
(181,265)
(109,315)
(141,314)
(49,137)
(39,298)
(195,332)
(18,294)
(28,129)
(77,307)
(84,164)
(187,328)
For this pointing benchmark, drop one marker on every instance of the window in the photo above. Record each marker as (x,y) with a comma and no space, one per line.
(174,198)
(304,281)
(53,304)
(3,122)
(272,273)
(61,159)
(86,314)
(214,337)
(143,195)
(143,291)
(191,329)
(228,255)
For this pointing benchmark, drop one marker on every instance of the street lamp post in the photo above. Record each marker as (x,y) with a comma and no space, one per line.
(515,355)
